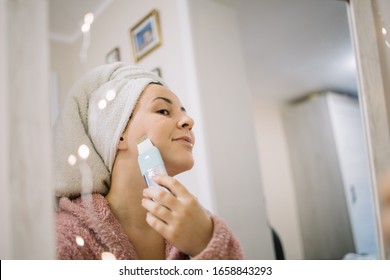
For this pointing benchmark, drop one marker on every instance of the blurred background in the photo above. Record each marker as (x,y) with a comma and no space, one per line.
(290,139)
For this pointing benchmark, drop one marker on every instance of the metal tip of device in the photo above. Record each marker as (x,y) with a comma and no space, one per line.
(142,139)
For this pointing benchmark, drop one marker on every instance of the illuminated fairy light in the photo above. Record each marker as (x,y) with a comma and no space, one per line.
(83,151)
(72,160)
(110,95)
(79,240)
(85,29)
(88,18)
(384,31)
(107,256)
(102,104)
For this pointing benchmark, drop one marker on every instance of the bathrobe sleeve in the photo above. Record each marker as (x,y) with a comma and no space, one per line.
(223,244)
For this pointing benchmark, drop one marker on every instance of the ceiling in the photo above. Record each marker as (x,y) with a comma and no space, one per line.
(291,47)
(296,47)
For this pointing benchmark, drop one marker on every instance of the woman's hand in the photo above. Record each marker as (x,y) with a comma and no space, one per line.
(177,216)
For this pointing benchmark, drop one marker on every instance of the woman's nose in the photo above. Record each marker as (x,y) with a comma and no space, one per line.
(186,122)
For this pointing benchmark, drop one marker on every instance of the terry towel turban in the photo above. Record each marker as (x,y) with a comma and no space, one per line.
(93,118)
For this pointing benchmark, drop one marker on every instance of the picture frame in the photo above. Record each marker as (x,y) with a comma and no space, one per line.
(113,56)
(157,71)
(146,35)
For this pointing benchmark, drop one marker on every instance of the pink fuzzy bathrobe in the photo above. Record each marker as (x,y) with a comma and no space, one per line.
(92,220)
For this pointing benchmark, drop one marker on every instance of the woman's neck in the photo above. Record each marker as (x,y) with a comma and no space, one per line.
(125,198)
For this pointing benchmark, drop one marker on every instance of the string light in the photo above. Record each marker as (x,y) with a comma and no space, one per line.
(108,256)
(79,240)
(110,95)
(85,29)
(88,18)
(83,151)
(72,160)
(102,104)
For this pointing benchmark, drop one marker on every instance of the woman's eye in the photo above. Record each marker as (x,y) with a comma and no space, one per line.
(163,112)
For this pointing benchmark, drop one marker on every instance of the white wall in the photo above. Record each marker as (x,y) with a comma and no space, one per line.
(229,128)
(112,29)
(26,188)
(5,232)
(277,178)
(61,63)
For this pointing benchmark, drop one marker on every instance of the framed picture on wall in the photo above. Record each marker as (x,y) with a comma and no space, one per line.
(157,71)
(113,56)
(145,35)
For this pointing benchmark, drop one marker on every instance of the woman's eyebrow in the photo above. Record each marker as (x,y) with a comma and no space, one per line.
(163,98)
(168,101)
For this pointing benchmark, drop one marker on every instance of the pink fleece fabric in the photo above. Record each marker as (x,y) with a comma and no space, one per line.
(92,220)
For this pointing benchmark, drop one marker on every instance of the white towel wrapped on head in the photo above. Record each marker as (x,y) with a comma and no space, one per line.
(93,119)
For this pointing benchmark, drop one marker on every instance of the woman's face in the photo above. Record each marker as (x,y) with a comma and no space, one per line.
(160,115)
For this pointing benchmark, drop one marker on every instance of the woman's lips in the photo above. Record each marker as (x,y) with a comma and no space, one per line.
(185,139)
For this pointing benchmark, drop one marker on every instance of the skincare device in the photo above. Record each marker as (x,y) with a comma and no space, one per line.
(150,162)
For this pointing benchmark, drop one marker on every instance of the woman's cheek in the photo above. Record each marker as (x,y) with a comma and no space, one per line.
(158,133)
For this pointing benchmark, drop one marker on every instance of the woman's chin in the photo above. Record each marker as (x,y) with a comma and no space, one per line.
(175,169)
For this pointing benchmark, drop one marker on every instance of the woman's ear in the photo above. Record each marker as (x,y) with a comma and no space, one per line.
(122,144)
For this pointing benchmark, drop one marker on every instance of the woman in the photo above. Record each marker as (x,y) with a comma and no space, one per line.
(105,208)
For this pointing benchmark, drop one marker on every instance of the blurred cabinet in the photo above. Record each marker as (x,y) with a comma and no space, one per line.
(331,176)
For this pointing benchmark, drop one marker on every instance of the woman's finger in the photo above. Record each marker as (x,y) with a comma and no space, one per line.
(173,185)
(164,198)
(158,225)
(158,210)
